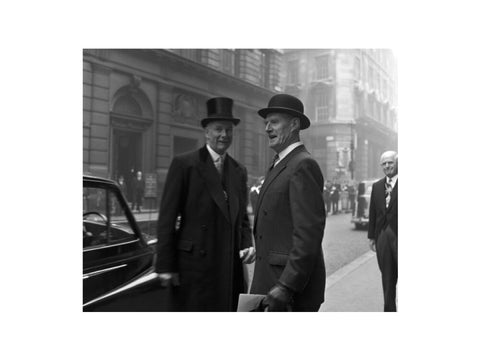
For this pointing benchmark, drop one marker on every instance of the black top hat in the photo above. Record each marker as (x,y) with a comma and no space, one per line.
(284,103)
(219,108)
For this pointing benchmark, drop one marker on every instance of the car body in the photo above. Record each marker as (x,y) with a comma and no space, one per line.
(118,263)
(360,215)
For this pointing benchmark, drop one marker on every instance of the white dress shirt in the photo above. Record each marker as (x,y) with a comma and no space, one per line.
(282,154)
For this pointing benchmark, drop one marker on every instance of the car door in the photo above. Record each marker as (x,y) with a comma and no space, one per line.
(114,252)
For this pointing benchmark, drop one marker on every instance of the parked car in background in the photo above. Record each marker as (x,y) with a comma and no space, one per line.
(118,264)
(360,215)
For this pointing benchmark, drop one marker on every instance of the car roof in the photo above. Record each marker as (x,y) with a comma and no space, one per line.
(98,179)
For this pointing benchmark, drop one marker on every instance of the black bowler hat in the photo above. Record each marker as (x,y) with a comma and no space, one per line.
(219,108)
(284,103)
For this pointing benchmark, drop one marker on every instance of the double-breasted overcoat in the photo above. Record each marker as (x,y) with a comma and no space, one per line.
(204,247)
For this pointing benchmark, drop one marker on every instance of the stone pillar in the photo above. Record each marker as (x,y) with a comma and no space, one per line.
(100,121)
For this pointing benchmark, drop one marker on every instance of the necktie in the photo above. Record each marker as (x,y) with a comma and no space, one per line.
(274,160)
(388,191)
(219,165)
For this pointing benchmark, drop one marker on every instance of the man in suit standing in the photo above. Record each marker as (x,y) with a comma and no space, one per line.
(202,254)
(290,215)
(138,191)
(383,227)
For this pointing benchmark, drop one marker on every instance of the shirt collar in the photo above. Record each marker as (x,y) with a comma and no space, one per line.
(393,180)
(282,154)
(214,155)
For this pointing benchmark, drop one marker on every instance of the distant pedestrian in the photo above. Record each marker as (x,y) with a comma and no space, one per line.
(326,198)
(138,191)
(383,227)
(122,185)
(335,197)
(351,197)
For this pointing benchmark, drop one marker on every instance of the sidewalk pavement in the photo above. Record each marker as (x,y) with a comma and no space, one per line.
(355,287)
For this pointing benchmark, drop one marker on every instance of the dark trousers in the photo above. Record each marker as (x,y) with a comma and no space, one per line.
(387,257)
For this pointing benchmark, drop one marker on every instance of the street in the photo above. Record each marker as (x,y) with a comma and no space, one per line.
(341,242)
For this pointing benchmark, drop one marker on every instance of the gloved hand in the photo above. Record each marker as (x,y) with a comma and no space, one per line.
(279,298)
(167,279)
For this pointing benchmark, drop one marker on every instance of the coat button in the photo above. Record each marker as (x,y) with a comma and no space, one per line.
(260,237)
(203,252)
(204,227)
(264,212)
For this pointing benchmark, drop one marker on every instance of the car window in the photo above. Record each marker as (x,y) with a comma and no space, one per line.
(104,219)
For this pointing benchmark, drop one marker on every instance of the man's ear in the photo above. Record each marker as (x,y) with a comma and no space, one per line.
(296,123)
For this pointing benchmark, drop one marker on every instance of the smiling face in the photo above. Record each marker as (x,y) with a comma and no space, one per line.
(389,163)
(218,135)
(282,130)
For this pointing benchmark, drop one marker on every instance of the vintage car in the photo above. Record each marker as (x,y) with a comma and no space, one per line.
(360,215)
(118,263)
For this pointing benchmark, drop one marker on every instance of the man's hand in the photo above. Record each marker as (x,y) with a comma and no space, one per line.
(279,298)
(247,255)
(372,245)
(167,279)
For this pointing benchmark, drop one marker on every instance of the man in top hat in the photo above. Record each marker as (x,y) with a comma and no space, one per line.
(290,215)
(201,255)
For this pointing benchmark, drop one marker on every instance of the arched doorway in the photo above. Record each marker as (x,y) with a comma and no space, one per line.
(131,133)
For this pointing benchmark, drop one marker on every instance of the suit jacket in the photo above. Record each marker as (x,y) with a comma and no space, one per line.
(379,216)
(288,229)
(204,248)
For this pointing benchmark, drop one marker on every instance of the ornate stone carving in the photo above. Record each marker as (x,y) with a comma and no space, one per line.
(185,109)
(135,82)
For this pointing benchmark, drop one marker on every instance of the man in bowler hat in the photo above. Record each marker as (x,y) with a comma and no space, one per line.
(290,215)
(201,255)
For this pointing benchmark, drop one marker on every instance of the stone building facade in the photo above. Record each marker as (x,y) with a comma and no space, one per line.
(350,95)
(141,107)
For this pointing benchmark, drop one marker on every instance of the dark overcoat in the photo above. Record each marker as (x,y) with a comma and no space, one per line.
(379,215)
(288,229)
(204,248)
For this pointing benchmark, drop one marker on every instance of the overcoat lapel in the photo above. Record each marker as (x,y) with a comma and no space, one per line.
(272,174)
(213,181)
(381,194)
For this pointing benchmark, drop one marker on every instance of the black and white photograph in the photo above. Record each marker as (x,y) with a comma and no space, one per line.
(183,208)
(235,158)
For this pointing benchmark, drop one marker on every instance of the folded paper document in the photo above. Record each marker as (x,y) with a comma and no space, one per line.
(250,302)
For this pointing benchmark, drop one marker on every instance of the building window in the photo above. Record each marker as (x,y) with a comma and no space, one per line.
(358,107)
(228,61)
(292,72)
(192,54)
(264,69)
(322,69)
(321,109)
(357,69)
(370,106)
(370,77)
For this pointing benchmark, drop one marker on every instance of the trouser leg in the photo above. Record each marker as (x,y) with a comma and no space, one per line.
(387,251)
